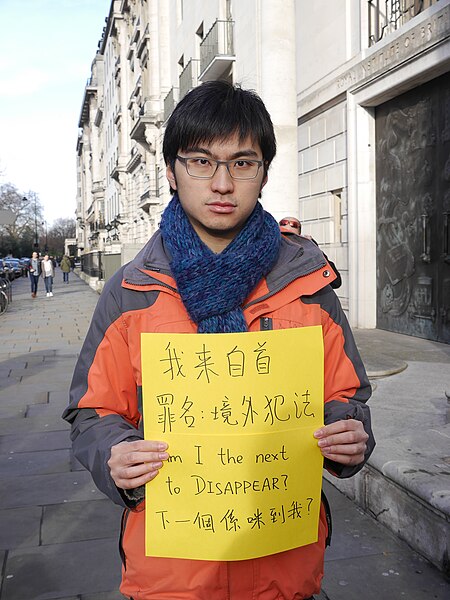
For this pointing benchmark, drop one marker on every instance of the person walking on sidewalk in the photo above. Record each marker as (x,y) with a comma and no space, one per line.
(35,271)
(216,250)
(48,272)
(65,268)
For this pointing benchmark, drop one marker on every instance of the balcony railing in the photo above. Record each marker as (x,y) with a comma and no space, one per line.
(388,16)
(170,101)
(216,50)
(91,264)
(189,77)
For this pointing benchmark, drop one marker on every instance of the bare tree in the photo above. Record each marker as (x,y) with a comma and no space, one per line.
(60,230)
(19,237)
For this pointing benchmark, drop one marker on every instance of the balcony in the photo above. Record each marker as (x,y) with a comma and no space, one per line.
(216,51)
(170,101)
(149,198)
(141,48)
(388,16)
(189,77)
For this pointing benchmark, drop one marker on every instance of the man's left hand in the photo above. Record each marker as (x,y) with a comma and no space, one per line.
(343,442)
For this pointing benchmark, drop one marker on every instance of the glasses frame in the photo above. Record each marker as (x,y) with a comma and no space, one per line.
(183,160)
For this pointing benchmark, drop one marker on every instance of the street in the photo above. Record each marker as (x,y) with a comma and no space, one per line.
(59,535)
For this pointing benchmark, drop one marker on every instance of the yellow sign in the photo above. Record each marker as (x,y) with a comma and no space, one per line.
(238,411)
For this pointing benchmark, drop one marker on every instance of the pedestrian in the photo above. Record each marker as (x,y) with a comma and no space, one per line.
(65,268)
(216,246)
(48,272)
(292,225)
(35,271)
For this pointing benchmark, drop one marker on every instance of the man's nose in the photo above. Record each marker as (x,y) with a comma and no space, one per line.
(222,181)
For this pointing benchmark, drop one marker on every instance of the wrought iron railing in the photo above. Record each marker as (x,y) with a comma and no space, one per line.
(91,264)
(217,42)
(386,16)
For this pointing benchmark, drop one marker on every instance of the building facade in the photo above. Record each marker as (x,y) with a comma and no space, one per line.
(359,95)
(152,52)
(374,155)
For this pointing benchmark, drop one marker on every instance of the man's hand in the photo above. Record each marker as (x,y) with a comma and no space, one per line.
(343,442)
(133,464)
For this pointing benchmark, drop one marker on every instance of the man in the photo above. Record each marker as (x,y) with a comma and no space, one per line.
(217,264)
(35,271)
(291,225)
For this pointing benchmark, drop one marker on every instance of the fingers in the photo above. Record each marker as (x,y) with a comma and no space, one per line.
(343,442)
(133,464)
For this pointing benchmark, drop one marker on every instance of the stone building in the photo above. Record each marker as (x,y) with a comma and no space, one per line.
(360,98)
(152,52)
(374,155)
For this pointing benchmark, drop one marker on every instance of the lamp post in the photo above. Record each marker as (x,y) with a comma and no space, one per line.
(46,235)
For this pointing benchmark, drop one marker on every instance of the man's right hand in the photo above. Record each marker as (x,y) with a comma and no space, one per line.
(133,464)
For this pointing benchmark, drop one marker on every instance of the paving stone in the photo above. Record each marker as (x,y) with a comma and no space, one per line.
(23,394)
(384,576)
(34,463)
(40,410)
(35,442)
(60,399)
(33,424)
(6,412)
(20,527)
(41,490)
(8,399)
(114,595)
(61,570)
(359,536)
(76,521)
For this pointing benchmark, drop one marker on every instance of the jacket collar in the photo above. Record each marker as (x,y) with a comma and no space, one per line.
(298,258)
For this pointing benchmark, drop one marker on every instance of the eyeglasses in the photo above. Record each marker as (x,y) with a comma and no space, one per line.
(288,223)
(205,168)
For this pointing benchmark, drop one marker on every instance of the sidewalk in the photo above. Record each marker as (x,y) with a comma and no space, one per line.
(59,534)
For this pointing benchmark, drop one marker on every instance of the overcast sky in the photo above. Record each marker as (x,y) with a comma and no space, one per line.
(46,50)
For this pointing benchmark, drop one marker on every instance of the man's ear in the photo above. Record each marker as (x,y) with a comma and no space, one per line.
(171,177)
(263,183)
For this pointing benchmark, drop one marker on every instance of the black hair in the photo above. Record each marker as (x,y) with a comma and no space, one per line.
(217,110)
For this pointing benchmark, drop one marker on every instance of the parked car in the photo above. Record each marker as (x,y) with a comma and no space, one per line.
(15,266)
(25,264)
(5,270)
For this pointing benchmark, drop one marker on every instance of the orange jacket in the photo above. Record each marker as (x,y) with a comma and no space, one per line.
(105,410)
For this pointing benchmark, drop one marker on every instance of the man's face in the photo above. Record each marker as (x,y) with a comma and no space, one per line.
(218,208)
(34,255)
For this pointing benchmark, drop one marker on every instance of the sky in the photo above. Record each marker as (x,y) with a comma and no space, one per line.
(46,51)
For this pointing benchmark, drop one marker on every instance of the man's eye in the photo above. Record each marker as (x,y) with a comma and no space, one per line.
(243,164)
(202,162)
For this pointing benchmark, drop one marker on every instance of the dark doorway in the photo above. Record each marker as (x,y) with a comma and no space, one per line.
(413,212)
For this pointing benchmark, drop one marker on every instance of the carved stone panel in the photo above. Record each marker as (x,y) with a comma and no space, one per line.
(413,211)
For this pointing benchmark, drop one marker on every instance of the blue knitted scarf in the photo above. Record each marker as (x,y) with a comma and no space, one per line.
(213,286)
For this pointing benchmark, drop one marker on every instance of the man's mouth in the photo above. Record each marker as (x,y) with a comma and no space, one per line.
(221,207)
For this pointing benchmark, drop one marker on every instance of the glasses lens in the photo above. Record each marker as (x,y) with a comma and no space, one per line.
(200,167)
(244,169)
